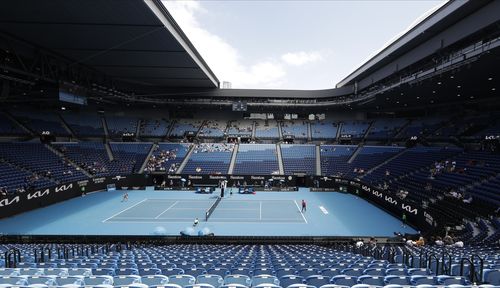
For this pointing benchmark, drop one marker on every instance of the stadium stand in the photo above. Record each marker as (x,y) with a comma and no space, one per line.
(154,127)
(128,157)
(324,130)
(183,126)
(256,159)
(299,159)
(356,129)
(213,129)
(209,158)
(266,129)
(39,160)
(91,156)
(40,122)
(9,128)
(249,264)
(84,124)
(334,159)
(240,128)
(297,129)
(167,157)
(118,125)
(385,129)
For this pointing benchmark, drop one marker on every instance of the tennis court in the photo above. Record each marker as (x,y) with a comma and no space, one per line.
(227,210)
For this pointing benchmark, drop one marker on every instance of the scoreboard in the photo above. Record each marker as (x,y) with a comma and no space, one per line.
(239,106)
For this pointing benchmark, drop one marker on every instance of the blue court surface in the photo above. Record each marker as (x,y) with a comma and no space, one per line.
(169,212)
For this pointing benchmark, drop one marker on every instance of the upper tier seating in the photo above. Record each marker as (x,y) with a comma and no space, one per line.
(213,129)
(421,127)
(357,129)
(8,127)
(266,129)
(167,157)
(299,159)
(118,125)
(84,124)
(182,126)
(209,158)
(324,130)
(41,122)
(256,159)
(297,129)
(240,128)
(154,127)
(385,129)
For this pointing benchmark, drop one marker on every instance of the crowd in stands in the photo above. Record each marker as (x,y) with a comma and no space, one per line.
(159,161)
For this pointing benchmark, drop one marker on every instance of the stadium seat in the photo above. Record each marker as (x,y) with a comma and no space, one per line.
(212,279)
(317,280)
(154,280)
(237,279)
(344,280)
(287,280)
(264,279)
(182,280)
(371,280)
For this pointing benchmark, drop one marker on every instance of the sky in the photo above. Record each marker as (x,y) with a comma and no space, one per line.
(301,45)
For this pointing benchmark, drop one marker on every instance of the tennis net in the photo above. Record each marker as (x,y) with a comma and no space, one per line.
(212,208)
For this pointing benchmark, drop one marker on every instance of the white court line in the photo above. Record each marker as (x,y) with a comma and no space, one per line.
(219,209)
(300,211)
(260,210)
(191,220)
(167,209)
(125,210)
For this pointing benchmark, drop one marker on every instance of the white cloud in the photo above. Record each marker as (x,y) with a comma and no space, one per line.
(224,59)
(301,58)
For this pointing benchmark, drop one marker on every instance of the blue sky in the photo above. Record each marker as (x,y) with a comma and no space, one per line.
(292,44)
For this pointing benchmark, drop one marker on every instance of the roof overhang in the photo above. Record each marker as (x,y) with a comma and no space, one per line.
(133,41)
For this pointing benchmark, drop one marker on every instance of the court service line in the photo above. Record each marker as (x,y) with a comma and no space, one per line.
(145,199)
(175,203)
(300,211)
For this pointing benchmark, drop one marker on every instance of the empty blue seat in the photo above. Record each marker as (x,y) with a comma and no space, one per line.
(397,280)
(330,272)
(307,272)
(423,279)
(397,271)
(344,280)
(317,280)
(264,279)
(287,280)
(452,280)
(98,280)
(285,271)
(154,280)
(237,279)
(125,280)
(149,271)
(219,271)
(214,280)
(419,271)
(352,272)
(103,271)
(182,280)
(172,271)
(491,276)
(371,280)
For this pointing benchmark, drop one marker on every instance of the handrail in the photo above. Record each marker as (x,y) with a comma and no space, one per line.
(429,262)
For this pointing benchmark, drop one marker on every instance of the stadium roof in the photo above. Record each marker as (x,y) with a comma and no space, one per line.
(129,40)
